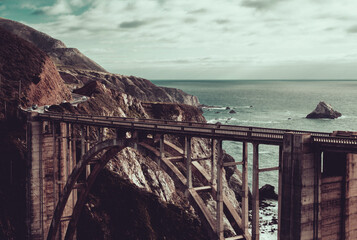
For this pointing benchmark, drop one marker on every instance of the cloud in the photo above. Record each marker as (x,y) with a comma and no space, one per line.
(132,24)
(198,11)
(352,29)
(260,4)
(190,20)
(78,3)
(221,21)
(184,31)
(39,12)
(60,7)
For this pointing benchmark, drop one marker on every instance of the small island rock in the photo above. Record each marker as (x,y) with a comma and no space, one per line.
(267,192)
(324,110)
(232,111)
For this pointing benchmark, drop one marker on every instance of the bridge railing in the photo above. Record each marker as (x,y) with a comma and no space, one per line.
(193,124)
(226,132)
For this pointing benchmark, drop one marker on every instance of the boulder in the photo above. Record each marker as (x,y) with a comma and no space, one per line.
(232,111)
(324,110)
(268,192)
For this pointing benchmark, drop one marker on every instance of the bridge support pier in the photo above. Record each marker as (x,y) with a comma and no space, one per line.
(49,164)
(300,192)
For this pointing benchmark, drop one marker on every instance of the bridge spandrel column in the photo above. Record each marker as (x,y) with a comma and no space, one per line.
(255,193)
(245,197)
(63,172)
(219,196)
(34,177)
(188,162)
(300,188)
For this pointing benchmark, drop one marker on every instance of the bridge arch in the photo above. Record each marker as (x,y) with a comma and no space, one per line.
(110,148)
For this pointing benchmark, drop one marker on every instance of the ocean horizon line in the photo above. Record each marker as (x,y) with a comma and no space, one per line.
(275,80)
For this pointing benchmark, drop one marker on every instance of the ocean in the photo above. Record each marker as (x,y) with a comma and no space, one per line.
(271,104)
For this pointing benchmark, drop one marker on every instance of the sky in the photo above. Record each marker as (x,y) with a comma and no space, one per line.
(203,39)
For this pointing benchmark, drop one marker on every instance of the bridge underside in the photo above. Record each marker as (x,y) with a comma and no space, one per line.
(317,183)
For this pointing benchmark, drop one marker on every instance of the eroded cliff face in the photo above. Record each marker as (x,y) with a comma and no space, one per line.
(27,75)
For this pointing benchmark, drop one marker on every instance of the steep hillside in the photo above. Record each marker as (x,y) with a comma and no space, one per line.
(76,69)
(27,75)
(57,50)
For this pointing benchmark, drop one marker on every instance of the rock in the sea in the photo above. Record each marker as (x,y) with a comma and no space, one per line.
(324,110)
(228,108)
(267,192)
(232,111)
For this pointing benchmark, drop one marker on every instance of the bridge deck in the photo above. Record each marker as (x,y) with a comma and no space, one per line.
(205,130)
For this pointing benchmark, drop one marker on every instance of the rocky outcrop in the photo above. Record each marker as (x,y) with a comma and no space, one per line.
(108,102)
(324,110)
(137,87)
(116,209)
(27,75)
(174,112)
(57,50)
(145,174)
(267,192)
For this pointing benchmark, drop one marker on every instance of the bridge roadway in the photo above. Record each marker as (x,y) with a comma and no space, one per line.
(270,136)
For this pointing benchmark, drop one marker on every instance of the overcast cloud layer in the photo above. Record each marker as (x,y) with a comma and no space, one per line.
(204,39)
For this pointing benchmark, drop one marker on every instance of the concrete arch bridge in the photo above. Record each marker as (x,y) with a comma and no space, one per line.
(317,173)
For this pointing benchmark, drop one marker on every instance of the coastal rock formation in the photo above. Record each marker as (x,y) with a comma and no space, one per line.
(324,110)
(27,75)
(140,88)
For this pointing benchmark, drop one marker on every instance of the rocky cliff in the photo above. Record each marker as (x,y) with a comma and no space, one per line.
(140,88)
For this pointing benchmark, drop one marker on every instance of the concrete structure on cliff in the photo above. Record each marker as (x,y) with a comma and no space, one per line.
(317,173)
